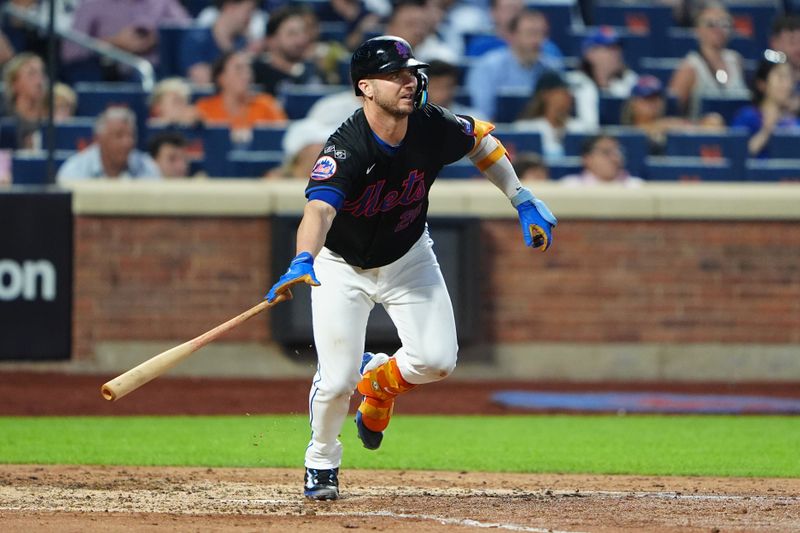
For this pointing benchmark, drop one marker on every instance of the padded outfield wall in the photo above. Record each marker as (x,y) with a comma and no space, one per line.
(665,282)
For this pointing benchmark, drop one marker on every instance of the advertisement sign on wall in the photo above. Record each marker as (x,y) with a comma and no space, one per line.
(35,275)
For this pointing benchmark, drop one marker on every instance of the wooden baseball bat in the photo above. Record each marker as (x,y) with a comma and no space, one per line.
(158,364)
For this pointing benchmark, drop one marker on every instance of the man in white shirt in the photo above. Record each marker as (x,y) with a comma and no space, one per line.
(113,153)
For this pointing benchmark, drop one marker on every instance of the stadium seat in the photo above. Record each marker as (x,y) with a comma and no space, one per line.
(8,133)
(559,16)
(461,169)
(29,167)
(660,67)
(519,141)
(170,47)
(564,166)
(252,163)
(639,17)
(784,143)
(753,20)
(773,170)
(75,134)
(690,169)
(216,159)
(633,141)
(730,145)
(725,106)
(268,138)
(510,104)
(635,46)
(298,99)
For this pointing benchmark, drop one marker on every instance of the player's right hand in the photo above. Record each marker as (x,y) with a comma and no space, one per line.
(301,270)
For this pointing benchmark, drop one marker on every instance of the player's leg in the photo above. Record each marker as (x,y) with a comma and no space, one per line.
(340,309)
(414,294)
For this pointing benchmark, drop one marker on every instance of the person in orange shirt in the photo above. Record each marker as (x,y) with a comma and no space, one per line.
(234,104)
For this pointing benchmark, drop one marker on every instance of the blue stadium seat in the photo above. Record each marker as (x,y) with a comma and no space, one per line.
(631,140)
(170,46)
(94,98)
(773,170)
(559,16)
(753,20)
(730,145)
(216,159)
(268,138)
(298,99)
(635,46)
(29,167)
(564,166)
(75,134)
(461,169)
(725,106)
(8,133)
(784,143)
(640,17)
(519,141)
(690,169)
(510,104)
(660,67)
(252,163)
(680,41)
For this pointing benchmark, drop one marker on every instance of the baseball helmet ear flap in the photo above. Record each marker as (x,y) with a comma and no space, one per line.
(421,96)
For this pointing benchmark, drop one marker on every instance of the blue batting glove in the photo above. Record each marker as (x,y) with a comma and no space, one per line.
(536,219)
(301,270)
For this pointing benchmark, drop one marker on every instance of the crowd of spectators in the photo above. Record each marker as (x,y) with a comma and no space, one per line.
(236,63)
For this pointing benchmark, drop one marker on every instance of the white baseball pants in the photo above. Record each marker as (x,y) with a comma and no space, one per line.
(413,292)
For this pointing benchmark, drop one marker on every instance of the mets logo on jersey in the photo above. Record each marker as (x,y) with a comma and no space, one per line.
(324,168)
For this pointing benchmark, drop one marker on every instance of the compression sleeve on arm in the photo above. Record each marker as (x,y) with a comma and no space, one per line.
(491,158)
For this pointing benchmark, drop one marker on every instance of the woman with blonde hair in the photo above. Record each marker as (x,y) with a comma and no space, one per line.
(25,84)
(170,103)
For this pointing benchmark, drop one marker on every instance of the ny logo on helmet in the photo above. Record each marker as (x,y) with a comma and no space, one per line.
(402,49)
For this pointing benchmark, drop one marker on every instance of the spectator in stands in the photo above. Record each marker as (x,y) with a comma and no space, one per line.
(234,104)
(646,108)
(6,50)
(229,32)
(603,163)
(131,25)
(549,113)
(603,70)
(412,21)
(25,97)
(457,19)
(112,154)
(170,103)
(516,67)
(713,69)
(287,46)
(168,150)
(531,167)
(443,87)
(302,143)
(785,37)
(773,85)
(498,35)
(65,102)
(334,108)
(256,27)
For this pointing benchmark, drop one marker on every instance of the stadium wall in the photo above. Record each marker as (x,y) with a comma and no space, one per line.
(665,282)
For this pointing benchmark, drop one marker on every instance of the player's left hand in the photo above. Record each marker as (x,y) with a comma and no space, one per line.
(536,219)
(301,270)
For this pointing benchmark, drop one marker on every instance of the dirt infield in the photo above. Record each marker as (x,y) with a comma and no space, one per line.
(149,499)
(109,499)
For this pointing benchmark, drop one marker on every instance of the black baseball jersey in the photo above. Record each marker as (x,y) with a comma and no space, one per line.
(386,194)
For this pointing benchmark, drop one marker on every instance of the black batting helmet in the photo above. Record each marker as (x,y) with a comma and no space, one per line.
(379,55)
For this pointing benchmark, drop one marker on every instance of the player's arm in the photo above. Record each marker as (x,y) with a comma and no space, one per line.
(317,218)
(491,158)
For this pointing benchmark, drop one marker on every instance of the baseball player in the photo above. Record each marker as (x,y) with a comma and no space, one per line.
(363,239)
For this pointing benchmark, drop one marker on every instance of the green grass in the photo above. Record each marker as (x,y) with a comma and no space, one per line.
(665,445)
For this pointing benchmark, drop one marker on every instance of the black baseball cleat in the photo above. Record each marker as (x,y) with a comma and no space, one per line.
(321,484)
(370,439)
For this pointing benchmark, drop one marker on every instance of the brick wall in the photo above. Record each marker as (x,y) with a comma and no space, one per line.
(647,281)
(166,278)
